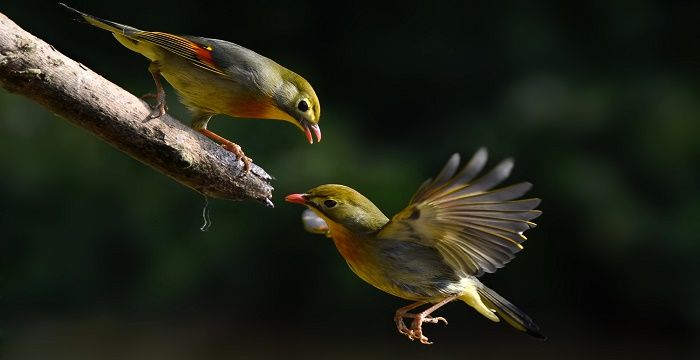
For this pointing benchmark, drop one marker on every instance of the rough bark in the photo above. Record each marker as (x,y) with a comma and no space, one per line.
(33,68)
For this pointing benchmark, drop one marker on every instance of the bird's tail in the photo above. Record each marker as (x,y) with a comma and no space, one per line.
(110,26)
(508,312)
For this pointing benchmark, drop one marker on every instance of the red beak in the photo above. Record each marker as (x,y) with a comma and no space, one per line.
(307,132)
(296,198)
(317,131)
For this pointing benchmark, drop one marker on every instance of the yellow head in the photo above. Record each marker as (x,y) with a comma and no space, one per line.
(299,104)
(341,205)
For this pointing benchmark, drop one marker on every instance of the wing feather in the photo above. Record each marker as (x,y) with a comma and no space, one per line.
(430,185)
(517,205)
(466,195)
(197,52)
(475,226)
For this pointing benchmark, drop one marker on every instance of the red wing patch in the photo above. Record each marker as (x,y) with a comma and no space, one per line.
(198,54)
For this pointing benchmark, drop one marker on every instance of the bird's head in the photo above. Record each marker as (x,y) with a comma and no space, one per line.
(341,205)
(298,100)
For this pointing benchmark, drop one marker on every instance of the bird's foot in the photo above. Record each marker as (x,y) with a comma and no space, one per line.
(401,326)
(236,150)
(230,146)
(434,320)
(416,330)
(159,108)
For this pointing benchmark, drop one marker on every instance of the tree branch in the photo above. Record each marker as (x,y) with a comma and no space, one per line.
(33,68)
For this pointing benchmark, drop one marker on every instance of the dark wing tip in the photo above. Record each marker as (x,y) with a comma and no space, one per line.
(78,15)
(535,333)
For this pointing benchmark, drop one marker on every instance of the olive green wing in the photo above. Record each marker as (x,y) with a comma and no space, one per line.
(475,226)
(199,51)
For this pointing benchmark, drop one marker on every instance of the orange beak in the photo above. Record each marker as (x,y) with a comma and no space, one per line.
(296,198)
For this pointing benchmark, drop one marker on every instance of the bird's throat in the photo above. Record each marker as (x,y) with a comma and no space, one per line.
(349,245)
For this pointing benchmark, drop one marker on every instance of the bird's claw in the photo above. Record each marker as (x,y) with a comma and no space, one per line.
(435,320)
(418,335)
(160,106)
(416,330)
(401,327)
(156,114)
(158,110)
(236,150)
(230,146)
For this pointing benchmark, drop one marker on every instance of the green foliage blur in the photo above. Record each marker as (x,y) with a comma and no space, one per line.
(598,102)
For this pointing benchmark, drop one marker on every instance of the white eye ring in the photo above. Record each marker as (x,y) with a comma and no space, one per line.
(303,106)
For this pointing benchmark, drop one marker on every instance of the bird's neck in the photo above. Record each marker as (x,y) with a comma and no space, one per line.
(368,221)
(351,245)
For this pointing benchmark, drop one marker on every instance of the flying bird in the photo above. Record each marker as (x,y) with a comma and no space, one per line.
(456,227)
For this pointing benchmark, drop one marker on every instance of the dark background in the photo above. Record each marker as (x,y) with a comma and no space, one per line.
(102,257)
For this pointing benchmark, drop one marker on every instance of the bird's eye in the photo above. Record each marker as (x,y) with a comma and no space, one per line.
(330,203)
(303,106)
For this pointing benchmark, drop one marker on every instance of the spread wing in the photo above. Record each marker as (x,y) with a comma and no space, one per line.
(475,227)
(197,50)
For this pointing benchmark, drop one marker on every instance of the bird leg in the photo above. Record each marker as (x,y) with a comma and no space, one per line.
(416,330)
(160,107)
(402,313)
(152,96)
(199,123)
(228,145)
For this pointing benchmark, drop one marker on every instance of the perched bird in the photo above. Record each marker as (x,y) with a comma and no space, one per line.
(455,228)
(218,77)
